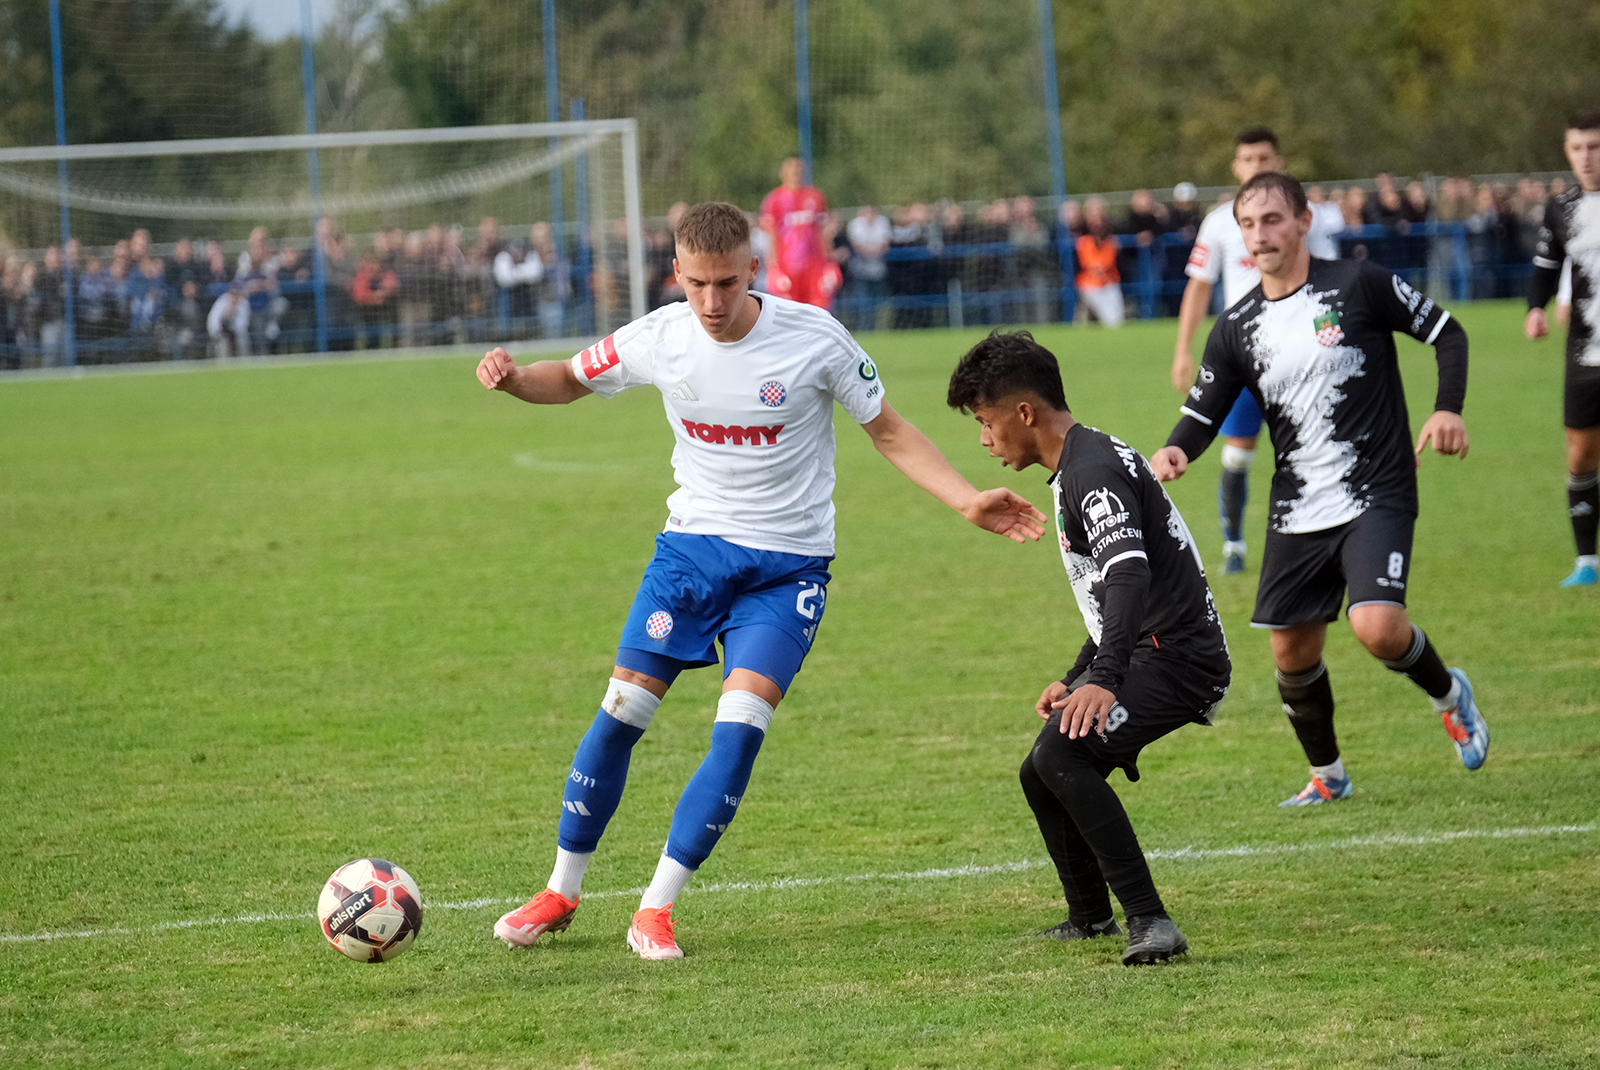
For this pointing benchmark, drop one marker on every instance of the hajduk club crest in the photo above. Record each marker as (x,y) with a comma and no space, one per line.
(1329,333)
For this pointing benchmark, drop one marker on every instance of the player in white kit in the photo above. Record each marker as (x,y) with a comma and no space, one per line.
(748,382)
(1219,253)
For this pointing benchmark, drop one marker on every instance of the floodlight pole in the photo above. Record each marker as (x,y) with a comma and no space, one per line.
(552,114)
(69,340)
(308,82)
(580,210)
(1058,166)
(1052,102)
(802,84)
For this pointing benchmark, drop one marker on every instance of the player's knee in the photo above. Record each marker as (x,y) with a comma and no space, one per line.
(1056,755)
(1237,458)
(745,707)
(630,704)
(1385,631)
(1583,452)
(1028,776)
(1297,649)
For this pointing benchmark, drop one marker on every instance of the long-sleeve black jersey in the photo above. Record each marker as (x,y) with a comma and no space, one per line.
(1321,363)
(1572,230)
(1114,520)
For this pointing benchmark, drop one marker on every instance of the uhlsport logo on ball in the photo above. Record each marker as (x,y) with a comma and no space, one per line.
(370,910)
(659,624)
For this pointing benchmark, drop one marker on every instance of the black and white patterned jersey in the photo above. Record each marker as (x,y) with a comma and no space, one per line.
(1111,508)
(1571,231)
(1322,364)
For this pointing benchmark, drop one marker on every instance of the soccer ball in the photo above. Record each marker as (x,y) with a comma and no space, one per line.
(370,910)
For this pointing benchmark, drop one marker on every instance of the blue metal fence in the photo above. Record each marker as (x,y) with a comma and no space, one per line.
(928,285)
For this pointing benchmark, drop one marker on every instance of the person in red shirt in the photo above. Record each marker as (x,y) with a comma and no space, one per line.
(373,288)
(793,216)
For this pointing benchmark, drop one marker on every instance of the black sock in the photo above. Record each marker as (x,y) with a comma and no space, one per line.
(1308,700)
(1583,506)
(1232,494)
(1422,664)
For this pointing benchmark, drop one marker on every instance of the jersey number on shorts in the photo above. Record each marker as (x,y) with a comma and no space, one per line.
(803,604)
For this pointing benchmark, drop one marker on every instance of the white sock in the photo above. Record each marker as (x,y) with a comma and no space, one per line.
(669,882)
(566,879)
(1588,561)
(1447,702)
(1330,772)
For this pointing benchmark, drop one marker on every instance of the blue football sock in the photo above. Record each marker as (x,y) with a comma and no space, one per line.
(594,787)
(712,797)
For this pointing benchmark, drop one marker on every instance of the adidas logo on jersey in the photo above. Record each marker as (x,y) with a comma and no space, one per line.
(683,393)
(719,435)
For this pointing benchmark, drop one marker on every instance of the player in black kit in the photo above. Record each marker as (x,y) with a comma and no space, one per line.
(1155,659)
(1572,230)
(1314,342)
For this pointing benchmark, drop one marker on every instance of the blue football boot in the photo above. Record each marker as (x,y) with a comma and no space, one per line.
(1465,725)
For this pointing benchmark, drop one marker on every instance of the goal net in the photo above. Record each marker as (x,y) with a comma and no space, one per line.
(328,242)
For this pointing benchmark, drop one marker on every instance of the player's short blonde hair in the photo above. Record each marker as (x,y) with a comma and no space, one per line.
(714,228)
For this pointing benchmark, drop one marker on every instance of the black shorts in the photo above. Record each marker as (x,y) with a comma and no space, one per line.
(1580,398)
(1162,692)
(1303,577)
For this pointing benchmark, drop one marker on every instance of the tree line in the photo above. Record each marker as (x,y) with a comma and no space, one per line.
(912,99)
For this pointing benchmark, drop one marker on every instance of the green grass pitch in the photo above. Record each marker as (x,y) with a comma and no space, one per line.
(256,622)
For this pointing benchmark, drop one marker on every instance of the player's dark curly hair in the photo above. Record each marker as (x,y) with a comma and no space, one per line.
(1286,186)
(1255,136)
(1588,119)
(713,228)
(1006,363)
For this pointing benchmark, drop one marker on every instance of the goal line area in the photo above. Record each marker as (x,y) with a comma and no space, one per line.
(324,243)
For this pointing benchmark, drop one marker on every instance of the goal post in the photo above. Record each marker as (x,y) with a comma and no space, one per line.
(411,237)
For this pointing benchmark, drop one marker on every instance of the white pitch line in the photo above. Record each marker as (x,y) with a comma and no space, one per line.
(1169,854)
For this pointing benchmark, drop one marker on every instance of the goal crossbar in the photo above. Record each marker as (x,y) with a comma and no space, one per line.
(626,129)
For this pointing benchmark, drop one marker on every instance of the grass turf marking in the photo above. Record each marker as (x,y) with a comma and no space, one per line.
(1180,854)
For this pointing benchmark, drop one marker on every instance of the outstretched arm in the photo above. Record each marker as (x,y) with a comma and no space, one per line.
(909,450)
(544,382)
(1196,302)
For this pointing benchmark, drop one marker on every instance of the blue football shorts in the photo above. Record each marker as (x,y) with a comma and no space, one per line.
(764,606)
(1244,419)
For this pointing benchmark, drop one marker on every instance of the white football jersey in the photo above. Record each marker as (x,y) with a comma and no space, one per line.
(753,419)
(1219,252)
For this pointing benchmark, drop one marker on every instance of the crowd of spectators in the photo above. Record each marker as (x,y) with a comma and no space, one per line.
(195,299)
(916,265)
(1008,260)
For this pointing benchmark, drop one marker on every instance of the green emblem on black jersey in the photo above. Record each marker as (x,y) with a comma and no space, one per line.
(1329,333)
